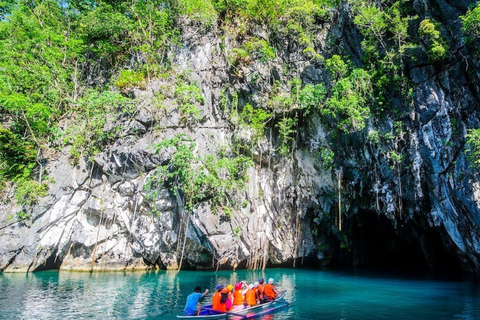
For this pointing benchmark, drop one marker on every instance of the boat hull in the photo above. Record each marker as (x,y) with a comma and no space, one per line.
(246,313)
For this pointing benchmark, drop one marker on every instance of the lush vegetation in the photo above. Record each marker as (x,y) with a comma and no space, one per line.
(195,178)
(44,47)
(46,101)
(473,147)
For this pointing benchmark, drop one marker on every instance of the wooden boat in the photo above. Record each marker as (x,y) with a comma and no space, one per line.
(246,313)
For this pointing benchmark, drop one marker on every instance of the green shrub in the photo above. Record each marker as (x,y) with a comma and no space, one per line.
(428,31)
(130,79)
(189,97)
(106,28)
(85,134)
(198,179)
(471,23)
(201,12)
(350,95)
(473,147)
(256,119)
(373,137)
(336,67)
(286,130)
(238,56)
(230,6)
(16,153)
(260,47)
(305,98)
(327,158)
(28,192)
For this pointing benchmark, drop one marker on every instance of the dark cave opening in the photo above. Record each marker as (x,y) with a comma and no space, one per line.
(377,243)
(52,263)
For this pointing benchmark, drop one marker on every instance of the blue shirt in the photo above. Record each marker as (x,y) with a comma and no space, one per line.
(191,306)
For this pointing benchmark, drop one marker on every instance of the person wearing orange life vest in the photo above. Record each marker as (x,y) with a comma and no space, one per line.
(217,304)
(237,295)
(229,302)
(270,291)
(251,297)
(260,289)
(256,285)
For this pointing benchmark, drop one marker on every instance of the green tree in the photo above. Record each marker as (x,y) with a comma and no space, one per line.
(471,22)
(287,129)
(6,7)
(38,56)
(436,47)
(386,44)
(194,178)
(350,95)
(473,147)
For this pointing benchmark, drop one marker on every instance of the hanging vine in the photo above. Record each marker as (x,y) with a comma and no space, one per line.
(193,179)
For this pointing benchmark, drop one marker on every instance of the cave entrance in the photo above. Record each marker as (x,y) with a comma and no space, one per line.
(412,246)
(376,243)
(51,263)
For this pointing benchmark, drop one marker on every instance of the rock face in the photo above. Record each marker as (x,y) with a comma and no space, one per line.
(425,212)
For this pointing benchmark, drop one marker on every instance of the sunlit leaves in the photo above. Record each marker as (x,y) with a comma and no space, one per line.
(471,22)
(350,95)
(429,31)
(106,30)
(473,147)
(86,133)
(201,12)
(286,129)
(196,178)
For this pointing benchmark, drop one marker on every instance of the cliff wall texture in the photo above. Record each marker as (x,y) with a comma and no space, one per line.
(398,192)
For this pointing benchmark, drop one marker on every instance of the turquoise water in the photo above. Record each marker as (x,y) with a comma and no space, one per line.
(161,295)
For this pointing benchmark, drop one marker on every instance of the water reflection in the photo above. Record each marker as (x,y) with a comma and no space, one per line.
(162,295)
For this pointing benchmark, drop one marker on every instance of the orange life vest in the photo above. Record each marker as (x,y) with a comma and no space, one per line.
(251,297)
(216,305)
(260,288)
(237,298)
(269,291)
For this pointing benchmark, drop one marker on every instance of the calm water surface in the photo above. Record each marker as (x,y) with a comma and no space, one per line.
(161,295)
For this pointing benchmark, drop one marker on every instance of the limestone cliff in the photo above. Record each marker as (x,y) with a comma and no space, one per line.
(423,211)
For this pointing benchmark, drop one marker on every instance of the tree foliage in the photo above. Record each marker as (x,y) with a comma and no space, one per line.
(45,44)
(429,31)
(38,56)
(197,178)
(473,147)
(471,22)
(386,43)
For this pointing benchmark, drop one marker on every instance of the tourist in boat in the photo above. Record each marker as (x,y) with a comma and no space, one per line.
(238,296)
(193,306)
(270,291)
(251,297)
(217,304)
(260,289)
(229,302)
